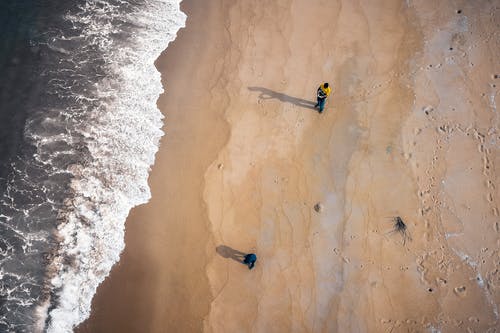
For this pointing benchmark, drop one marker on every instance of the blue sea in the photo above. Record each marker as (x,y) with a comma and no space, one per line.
(79,129)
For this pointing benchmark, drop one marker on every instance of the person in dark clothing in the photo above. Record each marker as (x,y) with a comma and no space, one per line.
(250,260)
(322,94)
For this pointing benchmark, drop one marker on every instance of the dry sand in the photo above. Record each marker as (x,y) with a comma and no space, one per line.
(411,130)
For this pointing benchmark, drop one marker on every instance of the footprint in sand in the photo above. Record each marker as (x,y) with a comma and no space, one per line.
(486,161)
(460,291)
(441,281)
(444,129)
(494,279)
(427,109)
(485,152)
(479,136)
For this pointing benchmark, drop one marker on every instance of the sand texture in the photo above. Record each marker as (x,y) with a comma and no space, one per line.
(248,165)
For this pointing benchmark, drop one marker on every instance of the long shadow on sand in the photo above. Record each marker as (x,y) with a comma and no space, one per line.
(227,252)
(271,94)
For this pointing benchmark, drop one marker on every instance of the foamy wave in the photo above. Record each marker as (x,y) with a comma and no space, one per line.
(122,140)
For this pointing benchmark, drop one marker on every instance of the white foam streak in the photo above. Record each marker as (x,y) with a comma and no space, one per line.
(123,142)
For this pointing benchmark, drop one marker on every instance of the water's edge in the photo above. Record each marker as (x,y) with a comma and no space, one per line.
(89,140)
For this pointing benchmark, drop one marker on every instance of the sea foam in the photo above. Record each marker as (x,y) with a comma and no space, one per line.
(122,139)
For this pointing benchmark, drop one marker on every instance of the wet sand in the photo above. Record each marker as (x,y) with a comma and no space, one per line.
(411,130)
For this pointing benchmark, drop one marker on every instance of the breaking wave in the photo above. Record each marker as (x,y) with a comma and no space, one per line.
(91,142)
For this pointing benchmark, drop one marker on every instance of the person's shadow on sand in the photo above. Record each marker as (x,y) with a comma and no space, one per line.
(270,94)
(227,252)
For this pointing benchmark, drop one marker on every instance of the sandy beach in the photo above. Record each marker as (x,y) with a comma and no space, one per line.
(248,165)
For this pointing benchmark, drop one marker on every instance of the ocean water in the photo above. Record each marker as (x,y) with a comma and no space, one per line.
(79,129)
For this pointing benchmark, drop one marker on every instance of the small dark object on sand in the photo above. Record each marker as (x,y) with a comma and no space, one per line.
(318,207)
(400,226)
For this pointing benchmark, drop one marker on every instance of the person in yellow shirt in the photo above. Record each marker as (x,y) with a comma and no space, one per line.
(323,91)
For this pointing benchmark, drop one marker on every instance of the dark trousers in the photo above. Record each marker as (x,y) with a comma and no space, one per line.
(321,103)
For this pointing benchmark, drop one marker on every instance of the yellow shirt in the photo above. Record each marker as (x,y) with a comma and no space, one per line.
(327,91)
(323,92)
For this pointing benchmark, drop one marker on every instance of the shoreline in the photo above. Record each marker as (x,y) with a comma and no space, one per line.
(154,284)
(246,158)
